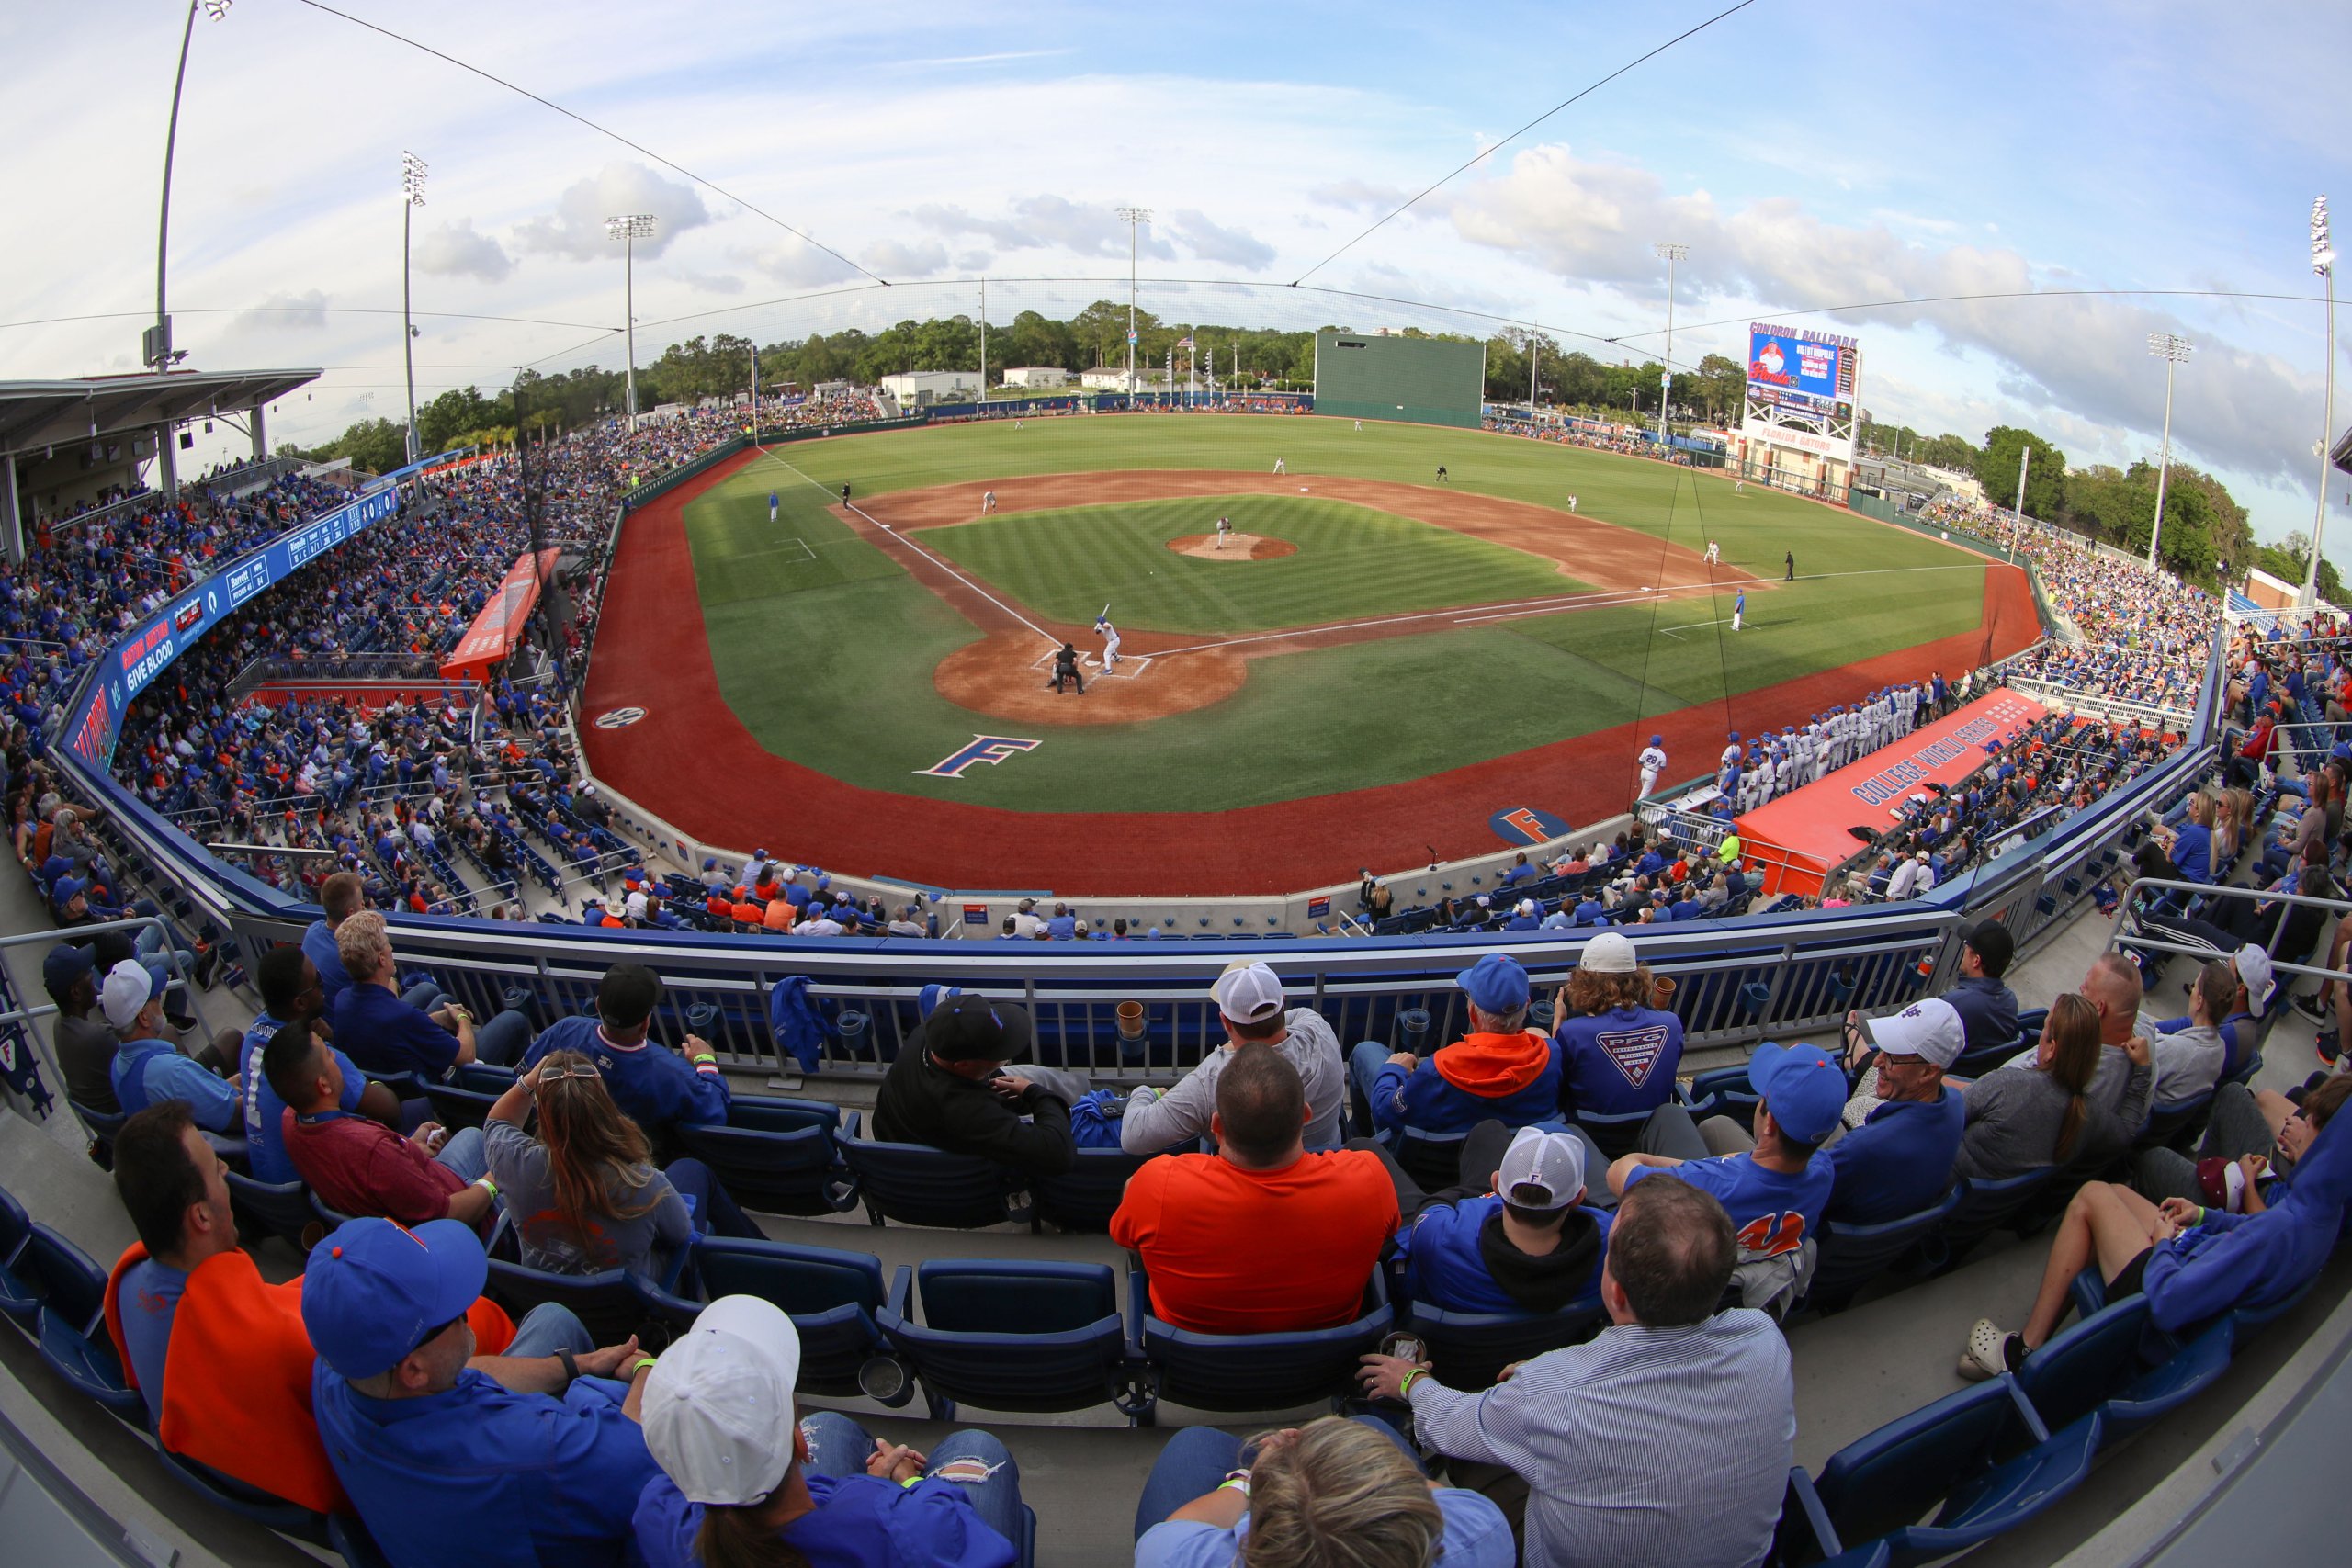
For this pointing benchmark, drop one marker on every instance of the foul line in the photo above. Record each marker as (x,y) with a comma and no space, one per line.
(926,554)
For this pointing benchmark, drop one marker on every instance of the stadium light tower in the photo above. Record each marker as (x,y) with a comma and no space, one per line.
(2323,263)
(1133,217)
(628,229)
(1669,253)
(156,352)
(412,197)
(2174,350)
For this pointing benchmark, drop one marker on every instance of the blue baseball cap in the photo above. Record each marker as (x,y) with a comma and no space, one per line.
(62,969)
(66,889)
(1497,984)
(1657,740)
(374,1290)
(1803,1089)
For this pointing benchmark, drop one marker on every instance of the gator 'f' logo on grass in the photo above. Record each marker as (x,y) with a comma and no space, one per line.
(989,749)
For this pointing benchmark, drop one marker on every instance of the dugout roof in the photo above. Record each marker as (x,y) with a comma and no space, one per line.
(35,415)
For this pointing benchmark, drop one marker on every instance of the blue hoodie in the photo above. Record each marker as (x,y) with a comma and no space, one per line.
(1513,1079)
(2256,1260)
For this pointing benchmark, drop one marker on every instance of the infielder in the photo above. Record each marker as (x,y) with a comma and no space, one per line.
(987,501)
(1739,608)
(1110,635)
(770,506)
(1279,466)
(1653,762)
(1714,555)
(1572,506)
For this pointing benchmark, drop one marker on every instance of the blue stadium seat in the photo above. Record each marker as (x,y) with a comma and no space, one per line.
(1252,1372)
(70,1327)
(1984,1059)
(464,1100)
(780,1155)
(2188,1371)
(1084,1197)
(1983,1207)
(2073,1374)
(1432,1159)
(1469,1349)
(1612,1135)
(17,1299)
(1852,1256)
(249,1502)
(1725,1091)
(1010,1335)
(918,1185)
(272,1208)
(1879,1486)
(101,1126)
(2174,1127)
(831,1296)
(612,1303)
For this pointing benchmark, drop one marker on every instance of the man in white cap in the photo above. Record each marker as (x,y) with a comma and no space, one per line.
(737,1467)
(1898,1158)
(1249,997)
(1520,1241)
(148,1068)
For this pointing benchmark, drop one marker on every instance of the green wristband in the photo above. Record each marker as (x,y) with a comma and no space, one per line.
(1404,1387)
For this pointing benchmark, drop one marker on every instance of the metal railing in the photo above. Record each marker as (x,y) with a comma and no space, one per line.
(22,1015)
(2129,931)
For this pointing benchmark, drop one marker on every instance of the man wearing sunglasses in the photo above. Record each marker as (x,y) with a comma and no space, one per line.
(452,1458)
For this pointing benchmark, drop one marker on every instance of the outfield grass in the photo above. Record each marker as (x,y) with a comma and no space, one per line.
(826,650)
(1353,562)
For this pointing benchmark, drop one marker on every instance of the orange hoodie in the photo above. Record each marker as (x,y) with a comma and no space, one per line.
(237,1377)
(1492,1065)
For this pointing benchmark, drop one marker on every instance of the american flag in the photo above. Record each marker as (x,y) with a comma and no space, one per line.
(1183,342)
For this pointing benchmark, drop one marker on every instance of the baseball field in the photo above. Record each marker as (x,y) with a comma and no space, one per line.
(1375,665)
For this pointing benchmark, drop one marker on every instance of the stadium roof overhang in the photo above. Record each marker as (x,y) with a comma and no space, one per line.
(39,414)
(2341,453)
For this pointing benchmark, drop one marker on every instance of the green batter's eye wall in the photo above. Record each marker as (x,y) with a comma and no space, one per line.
(1425,380)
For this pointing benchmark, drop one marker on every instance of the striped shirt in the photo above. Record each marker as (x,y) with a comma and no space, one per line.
(1665,1447)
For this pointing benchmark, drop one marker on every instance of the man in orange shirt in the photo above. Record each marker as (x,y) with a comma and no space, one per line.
(1262,1237)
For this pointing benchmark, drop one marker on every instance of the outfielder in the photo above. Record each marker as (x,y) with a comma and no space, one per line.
(1653,762)
(1572,506)
(1739,608)
(1110,635)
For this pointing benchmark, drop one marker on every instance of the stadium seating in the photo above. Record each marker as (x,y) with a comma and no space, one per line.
(781,1155)
(918,1185)
(832,1297)
(1027,1335)
(1469,1349)
(1251,1372)
(271,1208)
(612,1303)
(1852,1256)
(1084,1197)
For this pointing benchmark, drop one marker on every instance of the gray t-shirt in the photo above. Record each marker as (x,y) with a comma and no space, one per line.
(86,1050)
(657,1223)
(2188,1064)
(1183,1111)
(2013,1117)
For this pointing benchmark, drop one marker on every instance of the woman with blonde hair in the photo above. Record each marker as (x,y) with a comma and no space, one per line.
(1334,1493)
(583,1194)
(2021,1118)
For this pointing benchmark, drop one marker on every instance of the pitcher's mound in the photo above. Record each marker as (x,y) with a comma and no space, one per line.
(1238,546)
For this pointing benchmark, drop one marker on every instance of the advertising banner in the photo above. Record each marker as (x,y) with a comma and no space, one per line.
(1798,370)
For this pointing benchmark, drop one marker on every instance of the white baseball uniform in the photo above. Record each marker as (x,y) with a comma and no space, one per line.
(1653,762)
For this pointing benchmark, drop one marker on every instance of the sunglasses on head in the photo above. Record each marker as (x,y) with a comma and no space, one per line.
(556,1072)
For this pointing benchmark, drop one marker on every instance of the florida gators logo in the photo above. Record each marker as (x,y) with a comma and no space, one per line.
(1634,1052)
(988,748)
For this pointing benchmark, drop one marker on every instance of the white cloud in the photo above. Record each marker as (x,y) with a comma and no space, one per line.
(1211,242)
(576,227)
(1039,222)
(895,259)
(281,313)
(713,282)
(796,264)
(455,250)
(1594,222)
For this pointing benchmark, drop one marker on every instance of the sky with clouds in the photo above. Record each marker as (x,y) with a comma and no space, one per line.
(1811,155)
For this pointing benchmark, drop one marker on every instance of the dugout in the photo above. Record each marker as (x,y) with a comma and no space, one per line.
(1424,380)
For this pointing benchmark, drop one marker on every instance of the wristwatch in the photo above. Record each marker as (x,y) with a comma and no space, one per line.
(571,1363)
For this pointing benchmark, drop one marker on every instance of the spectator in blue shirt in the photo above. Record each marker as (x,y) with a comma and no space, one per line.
(1501,1069)
(290,993)
(1618,1051)
(148,1070)
(1775,1184)
(1590,910)
(1520,1240)
(342,896)
(655,1087)
(1525,917)
(1987,1008)
(741,1481)
(384,1034)
(507,1462)
(1063,927)
(173,1184)
(1899,1159)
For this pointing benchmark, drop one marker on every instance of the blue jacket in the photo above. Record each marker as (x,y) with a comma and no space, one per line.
(1898,1162)
(798,1027)
(1513,1079)
(2256,1260)
(1619,1062)
(1987,1008)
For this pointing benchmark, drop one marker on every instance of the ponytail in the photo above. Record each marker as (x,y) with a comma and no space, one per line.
(734,1537)
(2071,1127)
